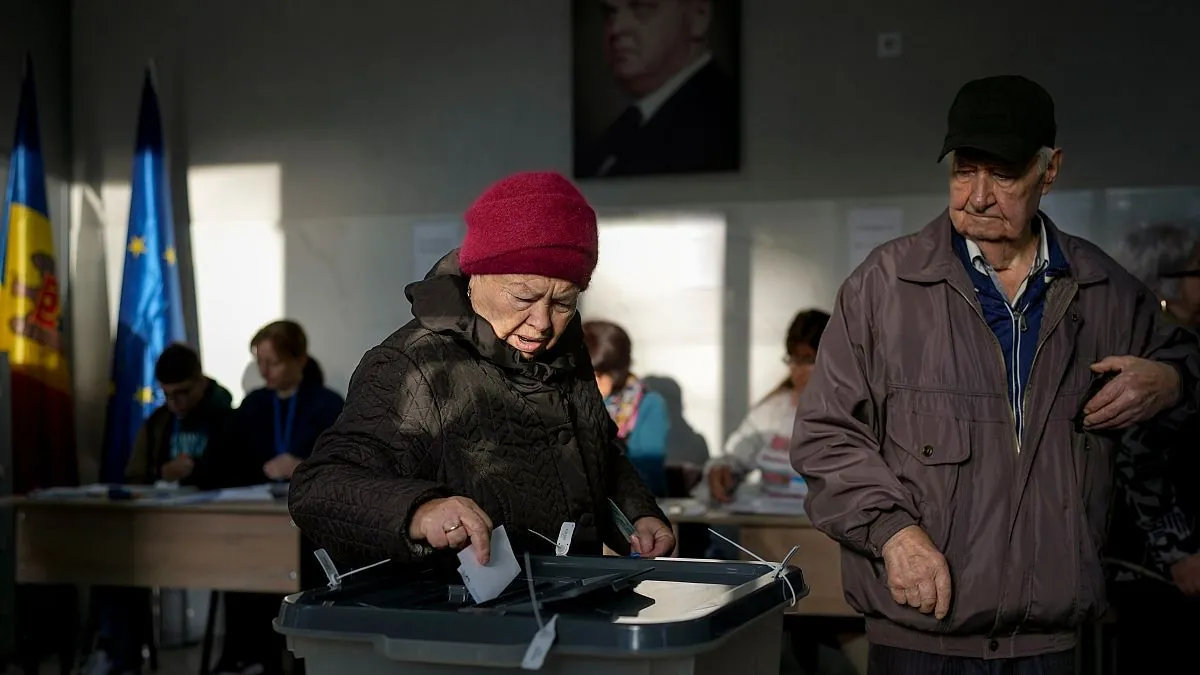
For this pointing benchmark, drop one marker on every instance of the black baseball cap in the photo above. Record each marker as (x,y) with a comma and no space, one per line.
(1008,116)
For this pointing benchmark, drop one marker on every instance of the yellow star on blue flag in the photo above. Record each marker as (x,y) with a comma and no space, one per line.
(151,311)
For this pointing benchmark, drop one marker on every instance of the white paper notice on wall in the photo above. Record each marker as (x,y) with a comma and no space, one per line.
(431,241)
(870,227)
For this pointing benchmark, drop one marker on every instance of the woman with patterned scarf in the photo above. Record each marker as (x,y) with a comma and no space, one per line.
(640,414)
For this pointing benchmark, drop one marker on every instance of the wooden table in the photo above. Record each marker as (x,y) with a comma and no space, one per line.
(228,546)
(771,537)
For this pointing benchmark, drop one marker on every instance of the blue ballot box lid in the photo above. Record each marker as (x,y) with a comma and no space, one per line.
(603,604)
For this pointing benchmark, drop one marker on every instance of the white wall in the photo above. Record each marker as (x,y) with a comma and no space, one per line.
(372,116)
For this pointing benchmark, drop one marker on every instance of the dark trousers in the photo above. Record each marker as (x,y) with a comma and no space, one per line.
(249,636)
(126,623)
(1158,628)
(895,661)
(47,622)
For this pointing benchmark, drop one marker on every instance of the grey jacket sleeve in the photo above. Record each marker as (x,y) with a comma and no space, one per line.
(853,496)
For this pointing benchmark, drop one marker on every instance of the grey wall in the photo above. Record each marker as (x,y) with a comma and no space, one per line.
(371,116)
(387,107)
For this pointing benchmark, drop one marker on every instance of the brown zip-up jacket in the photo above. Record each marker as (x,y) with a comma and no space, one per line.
(906,421)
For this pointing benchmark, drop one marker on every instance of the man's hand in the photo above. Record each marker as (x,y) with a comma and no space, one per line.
(1186,575)
(282,467)
(722,481)
(1141,389)
(653,538)
(177,469)
(917,573)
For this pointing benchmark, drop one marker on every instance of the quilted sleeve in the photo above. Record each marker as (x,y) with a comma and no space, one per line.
(628,492)
(371,470)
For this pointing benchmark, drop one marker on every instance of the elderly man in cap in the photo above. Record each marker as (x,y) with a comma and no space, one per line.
(960,427)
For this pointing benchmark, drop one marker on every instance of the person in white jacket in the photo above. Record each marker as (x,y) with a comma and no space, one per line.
(762,440)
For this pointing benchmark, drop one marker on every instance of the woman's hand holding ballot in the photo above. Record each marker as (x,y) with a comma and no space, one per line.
(453,522)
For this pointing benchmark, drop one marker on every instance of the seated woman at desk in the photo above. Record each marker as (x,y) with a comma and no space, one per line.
(640,414)
(761,442)
(483,410)
(276,428)
(280,422)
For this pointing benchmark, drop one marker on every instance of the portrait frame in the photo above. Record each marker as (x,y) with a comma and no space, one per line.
(650,98)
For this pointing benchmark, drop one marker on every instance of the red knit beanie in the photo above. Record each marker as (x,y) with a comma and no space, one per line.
(531,223)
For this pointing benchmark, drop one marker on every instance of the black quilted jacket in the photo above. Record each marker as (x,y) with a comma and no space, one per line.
(442,407)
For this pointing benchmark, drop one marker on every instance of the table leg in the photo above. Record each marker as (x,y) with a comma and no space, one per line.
(210,628)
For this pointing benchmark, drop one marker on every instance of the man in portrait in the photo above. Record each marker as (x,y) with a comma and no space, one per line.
(683,112)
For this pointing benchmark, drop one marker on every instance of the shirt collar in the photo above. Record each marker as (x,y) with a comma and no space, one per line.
(650,103)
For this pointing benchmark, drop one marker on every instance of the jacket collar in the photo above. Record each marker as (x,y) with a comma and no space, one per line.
(440,304)
(933,258)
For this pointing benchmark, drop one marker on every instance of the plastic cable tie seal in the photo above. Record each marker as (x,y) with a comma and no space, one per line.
(548,540)
(539,647)
(537,614)
(364,569)
(458,594)
(565,534)
(543,639)
(329,568)
(775,567)
(331,573)
(783,564)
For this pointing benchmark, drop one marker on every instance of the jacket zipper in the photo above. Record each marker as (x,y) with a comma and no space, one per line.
(1025,397)
(1041,342)
(1012,422)
(1012,419)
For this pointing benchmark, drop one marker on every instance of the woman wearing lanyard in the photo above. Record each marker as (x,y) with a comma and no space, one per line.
(280,422)
(276,427)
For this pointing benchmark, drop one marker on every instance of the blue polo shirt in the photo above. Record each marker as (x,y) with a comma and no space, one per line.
(1015,324)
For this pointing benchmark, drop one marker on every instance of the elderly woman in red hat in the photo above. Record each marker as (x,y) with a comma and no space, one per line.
(483,410)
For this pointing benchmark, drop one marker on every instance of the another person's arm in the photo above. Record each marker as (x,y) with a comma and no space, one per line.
(368,475)
(137,469)
(1157,382)
(724,473)
(635,500)
(322,416)
(226,461)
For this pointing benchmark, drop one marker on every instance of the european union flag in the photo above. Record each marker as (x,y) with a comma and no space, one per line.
(151,313)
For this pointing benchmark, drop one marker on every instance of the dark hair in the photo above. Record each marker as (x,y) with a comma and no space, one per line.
(177,363)
(610,349)
(805,331)
(290,341)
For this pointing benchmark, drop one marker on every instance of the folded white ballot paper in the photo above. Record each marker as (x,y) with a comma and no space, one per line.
(486,582)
